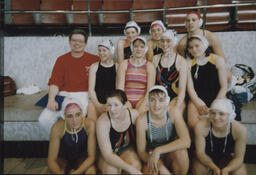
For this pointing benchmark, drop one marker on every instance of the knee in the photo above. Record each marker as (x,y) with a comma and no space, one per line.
(110,170)
(133,160)
(240,171)
(136,164)
(198,168)
(180,162)
(91,170)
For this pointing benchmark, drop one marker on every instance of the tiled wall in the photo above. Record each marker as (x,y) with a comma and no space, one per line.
(29,60)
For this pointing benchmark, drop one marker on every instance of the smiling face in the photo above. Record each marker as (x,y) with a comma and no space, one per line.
(195,47)
(192,22)
(77,43)
(166,44)
(139,48)
(114,107)
(104,53)
(74,118)
(156,32)
(131,33)
(218,118)
(157,103)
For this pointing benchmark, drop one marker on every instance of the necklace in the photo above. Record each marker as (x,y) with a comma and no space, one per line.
(200,61)
(211,141)
(167,60)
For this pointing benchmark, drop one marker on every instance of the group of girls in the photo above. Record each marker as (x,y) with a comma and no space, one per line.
(139,103)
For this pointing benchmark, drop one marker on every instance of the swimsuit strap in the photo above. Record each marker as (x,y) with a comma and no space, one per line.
(109,119)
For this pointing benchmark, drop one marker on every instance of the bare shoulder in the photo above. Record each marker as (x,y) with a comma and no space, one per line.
(134,114)
(211,37)
(220,61)
(94,66)
(181,62)
(150,65)
(182,42)
(58,128)
(238,130)
(156,59)
(121,41)
(142,121)
(150,41)
(89,123)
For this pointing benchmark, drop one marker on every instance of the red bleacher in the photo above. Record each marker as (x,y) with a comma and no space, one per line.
(24,19)
(55,19)
(217,19)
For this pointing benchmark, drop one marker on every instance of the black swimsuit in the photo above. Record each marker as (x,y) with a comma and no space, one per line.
(216,148)
(105,81)
(121,140)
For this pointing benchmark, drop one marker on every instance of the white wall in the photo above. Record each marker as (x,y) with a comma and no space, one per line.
(29,60)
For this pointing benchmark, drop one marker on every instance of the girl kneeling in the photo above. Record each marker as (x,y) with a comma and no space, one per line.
(162,135)
(72,146)
(116,137)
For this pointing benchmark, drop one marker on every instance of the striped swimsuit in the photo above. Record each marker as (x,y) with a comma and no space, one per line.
(135,83)
(159,136)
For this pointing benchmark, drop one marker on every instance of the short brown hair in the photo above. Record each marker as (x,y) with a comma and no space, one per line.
(79,31)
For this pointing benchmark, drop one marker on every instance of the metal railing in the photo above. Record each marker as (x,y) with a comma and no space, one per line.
(89,12)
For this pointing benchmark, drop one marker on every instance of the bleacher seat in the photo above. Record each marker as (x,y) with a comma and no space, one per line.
(58,18)
(147,17)
(82,5)
(115,18)
(246,17)
(23,19)
(218,19)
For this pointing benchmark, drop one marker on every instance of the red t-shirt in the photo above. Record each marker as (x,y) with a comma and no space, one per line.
(71,74)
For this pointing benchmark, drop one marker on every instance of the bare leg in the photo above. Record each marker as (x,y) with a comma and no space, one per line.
(106,168)
(200,169)
(131,157)
(91,170)
(173,102)
(240,171)
(179,161)
(193,115)
(92,113)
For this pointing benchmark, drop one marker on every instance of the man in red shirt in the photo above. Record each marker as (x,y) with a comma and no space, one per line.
(69,77)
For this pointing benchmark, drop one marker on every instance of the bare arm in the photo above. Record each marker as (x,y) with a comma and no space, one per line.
(91,147)
(54,145)
(216,45)
(53,91)
(222,73)
(182,68)
(200,133)
(120,50)
(121,75)
(240,136)
(181,46)
(150,52)
(151,75)
(156,59)
(102,130)
(92,83)
(141,128)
